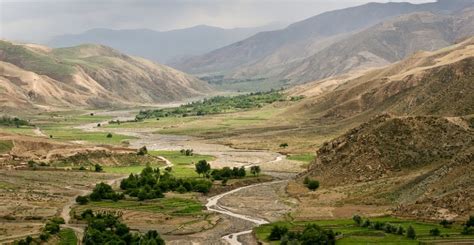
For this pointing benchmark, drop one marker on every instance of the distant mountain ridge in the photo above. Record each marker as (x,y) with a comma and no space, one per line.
(87,76)
(161,46)
(278,55)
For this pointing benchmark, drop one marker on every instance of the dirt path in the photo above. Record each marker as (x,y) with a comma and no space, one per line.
(39,132)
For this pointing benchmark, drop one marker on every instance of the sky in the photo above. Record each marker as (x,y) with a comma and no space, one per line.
(39,20)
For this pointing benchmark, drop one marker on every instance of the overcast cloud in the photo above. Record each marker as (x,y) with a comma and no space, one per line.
(37,21)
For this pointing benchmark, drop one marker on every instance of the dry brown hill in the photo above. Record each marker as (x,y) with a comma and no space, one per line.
(87,76)
(427,83)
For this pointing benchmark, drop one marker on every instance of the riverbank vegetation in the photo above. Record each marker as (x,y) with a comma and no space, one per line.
(216,105)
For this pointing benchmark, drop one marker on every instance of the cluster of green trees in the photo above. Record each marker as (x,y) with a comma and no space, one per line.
(106,228)
(187,152)
(101,191)
(228,173)
(215,105)
(468,227)
(385,226)
(150,184)
(52,227)
(13,121)
(311,235)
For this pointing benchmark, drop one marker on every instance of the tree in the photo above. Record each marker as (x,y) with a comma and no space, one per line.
(357,219)
(411,232)
(313,185)
(98,168)
(277,233)
(203,167)
(82,200)
(283,145)
(142,151)
(446,223)
(435,232)
(400,230)
(109,135)
(255,170)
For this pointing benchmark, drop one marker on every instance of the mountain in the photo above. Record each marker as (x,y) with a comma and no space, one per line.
(414,147)
(427,83)
(161,46)
(277,55)
(87,76)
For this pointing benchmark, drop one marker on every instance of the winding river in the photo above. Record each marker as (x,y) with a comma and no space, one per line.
(225,156)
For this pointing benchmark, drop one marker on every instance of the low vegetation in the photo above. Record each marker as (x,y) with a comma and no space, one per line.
(216,105)
(359,230)
(106,228)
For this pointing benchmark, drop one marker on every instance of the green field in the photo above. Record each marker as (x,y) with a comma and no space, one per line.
(183,165)
(306,158)
(126,169)
(353,234)
(171,206)
(5,146)
(67,237)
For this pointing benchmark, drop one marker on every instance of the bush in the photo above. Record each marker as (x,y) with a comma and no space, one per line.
(411,232)
(109,135)
(357,219)
(435,232)
(313,185)
(400,230)
(52,227)
(366,223)
(104,191)
(82,200)
(142,151)
(277,233)
(446,223)
(98,168)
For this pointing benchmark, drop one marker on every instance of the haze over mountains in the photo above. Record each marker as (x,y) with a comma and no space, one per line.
(299,53)
(161,46)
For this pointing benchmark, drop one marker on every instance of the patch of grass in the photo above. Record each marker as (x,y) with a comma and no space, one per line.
(306,158)
(72,134)
(125,169)
(353,234)
(67,237)
(183,165)
(24,130)
(171,206)
(5,146)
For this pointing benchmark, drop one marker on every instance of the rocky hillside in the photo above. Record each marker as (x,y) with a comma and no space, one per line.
(383,44)
(427,83)
(418,151)
(287,54)
(87,76)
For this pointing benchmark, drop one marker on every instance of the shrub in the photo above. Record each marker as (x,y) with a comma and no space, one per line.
(357,219)
(283,145)
(446,223)
(142,151)
(98,168)
(313,185)
(400,230)
(277,233)
(411,232)
(109,135)
(82,200)
(366,223)
(435,232)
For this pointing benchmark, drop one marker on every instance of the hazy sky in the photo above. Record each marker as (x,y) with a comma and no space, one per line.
(36,21)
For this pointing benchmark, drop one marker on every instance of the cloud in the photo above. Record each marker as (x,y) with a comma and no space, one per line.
(38,20)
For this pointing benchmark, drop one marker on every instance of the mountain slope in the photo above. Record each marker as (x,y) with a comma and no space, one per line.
(427,83)
(302,39)
(89,76)
(416,152)
(385,43)
(160,46)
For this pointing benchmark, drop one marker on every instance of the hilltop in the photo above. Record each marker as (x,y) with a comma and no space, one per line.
(92,76)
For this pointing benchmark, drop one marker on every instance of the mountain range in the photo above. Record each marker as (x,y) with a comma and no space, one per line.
(335,42)
(161,46)
(88,76)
